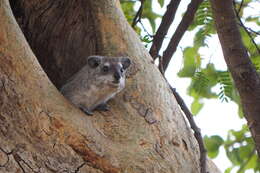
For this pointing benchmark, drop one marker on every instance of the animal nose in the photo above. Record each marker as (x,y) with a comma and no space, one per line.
(117,76)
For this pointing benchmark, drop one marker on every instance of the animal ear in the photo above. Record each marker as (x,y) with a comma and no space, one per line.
(94,61)
(126,62)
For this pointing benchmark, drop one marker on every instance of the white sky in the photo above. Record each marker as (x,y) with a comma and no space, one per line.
(216,117)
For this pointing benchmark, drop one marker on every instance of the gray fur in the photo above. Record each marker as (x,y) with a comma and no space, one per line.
(94,85)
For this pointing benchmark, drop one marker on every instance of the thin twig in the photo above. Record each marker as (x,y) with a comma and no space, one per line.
(160,65)
(245,28)
(181,29)
(197,133)
(167,20)
(251,30)
(138,15)
(240,6)
(145,30)
(193,125)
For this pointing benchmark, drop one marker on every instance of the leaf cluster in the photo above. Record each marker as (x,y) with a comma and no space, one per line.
(239,147)
(147,13)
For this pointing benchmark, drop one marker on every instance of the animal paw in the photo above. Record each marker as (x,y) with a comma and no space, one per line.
(86,111)
(102,107)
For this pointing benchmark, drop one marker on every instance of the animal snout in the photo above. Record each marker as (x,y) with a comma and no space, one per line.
(117,76)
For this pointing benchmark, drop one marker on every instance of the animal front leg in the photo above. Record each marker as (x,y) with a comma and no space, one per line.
(84,109)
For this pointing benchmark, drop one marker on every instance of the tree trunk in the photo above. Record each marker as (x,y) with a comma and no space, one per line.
(41,131)
(246,79)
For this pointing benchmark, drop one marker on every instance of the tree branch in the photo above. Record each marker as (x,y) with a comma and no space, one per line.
(195,128)
(240,6)
(181,29)
(167,20)
(154,51)
(138,15)
(246,79)
(145,30)
(193,125)
(243,26)
(252,31)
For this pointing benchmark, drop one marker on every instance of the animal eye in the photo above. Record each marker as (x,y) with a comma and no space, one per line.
(105,69)
(122,70)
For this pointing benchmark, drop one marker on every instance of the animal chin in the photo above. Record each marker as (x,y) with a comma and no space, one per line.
(115,83)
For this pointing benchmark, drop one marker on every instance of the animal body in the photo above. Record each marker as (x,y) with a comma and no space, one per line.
(97,82)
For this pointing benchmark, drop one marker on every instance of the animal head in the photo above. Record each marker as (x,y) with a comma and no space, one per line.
(110,69)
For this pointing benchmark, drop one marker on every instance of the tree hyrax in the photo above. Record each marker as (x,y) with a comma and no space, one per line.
(97,82)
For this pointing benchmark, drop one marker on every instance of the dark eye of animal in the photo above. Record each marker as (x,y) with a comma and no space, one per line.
(122,70)
(95,64)
(105,69)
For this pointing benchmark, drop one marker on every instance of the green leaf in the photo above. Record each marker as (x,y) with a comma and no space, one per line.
(196,106)
(202,83)
(253,162)
(152,23)
(226,86)
(233,156)
(228,170)
(148,13)
(190,54)
(203,17)
(252,19)
(128,8)
(161,2)
(212,145)
(146,40)
(239,135)
(246,39)
(244,151)
(255,58)
(240,111)
(239,146)
(213,154)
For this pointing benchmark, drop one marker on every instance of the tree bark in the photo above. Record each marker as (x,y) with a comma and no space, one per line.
(246,79)
(41,131)
(61,34)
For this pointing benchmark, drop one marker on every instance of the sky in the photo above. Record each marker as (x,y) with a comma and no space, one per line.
(216,117)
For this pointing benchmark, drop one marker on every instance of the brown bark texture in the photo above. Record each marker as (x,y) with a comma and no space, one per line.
(40,131)
(57,32)
(246,79)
